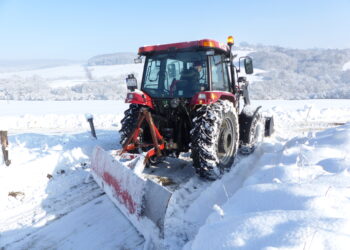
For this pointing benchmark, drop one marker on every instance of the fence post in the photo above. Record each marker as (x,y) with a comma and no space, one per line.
(90,119)
(4,147)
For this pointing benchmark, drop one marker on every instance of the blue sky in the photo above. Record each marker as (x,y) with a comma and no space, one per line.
(79,29)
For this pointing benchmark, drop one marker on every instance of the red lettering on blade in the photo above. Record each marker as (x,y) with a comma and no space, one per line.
(122,195)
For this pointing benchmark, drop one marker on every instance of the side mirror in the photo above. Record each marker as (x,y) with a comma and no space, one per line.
(131,82)
(138,60)
(248,65)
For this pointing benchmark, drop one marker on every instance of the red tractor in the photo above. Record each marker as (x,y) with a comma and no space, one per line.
(190,101)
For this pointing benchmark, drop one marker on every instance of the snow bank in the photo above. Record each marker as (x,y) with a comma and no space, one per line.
(297,198)
(295,117)
(46,196)
(44,168)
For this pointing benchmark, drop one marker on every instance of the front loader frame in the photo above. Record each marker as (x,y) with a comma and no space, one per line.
(132,142)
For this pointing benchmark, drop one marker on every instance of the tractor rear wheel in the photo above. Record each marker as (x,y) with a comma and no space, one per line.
(129,122)
(214,139)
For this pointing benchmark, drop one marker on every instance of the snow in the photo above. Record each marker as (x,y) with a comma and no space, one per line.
(99,218)
(20,108)
(59,115)
(71,71)
(51,172)
(346,66)
(75,71)
(291,193)
(307,208)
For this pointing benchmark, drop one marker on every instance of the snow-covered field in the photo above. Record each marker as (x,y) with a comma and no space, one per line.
(291,193)
(74,71)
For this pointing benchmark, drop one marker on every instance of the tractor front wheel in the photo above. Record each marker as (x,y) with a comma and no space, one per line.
(214,139)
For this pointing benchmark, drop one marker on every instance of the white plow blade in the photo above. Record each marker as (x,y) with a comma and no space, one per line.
(141,200)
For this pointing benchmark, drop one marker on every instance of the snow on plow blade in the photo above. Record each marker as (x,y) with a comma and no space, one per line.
(142,201)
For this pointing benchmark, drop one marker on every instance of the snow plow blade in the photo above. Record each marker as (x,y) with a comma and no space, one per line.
(143,201)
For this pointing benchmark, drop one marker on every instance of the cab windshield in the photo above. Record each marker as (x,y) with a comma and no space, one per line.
(179,74)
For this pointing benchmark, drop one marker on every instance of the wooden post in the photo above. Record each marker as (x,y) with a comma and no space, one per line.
(4,145)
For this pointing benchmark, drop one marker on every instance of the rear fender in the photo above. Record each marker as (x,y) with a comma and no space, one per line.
(139,97)
(209,97)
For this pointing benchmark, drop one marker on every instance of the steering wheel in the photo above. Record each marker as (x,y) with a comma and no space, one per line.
(166,91)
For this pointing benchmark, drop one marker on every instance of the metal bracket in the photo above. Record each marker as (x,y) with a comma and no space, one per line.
(132,142)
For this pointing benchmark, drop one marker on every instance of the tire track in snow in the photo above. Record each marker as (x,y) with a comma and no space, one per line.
(193,202)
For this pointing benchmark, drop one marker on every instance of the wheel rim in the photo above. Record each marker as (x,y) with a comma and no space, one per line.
(226,141)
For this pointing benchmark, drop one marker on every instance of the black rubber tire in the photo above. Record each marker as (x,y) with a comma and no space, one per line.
(214,126)
(129,122)
(251,128)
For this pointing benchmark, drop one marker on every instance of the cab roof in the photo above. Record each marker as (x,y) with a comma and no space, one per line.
(204,43)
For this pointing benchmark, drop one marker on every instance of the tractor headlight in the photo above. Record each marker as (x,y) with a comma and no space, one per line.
(130,96)
(174,103)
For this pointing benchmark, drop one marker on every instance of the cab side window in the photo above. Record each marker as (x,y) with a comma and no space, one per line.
(219,76)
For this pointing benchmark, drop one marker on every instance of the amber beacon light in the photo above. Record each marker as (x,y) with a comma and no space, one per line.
(230,40)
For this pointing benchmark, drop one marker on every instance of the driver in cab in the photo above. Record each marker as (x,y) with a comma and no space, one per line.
(189,82)
(192,75)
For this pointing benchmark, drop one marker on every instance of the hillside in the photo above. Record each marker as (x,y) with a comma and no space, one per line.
(286,73)
(301,74)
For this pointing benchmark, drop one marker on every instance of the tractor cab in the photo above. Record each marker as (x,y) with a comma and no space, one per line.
(183,70)
(180,70)
(175,74)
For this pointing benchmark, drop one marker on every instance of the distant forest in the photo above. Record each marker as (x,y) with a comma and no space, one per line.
(301,74)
